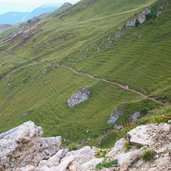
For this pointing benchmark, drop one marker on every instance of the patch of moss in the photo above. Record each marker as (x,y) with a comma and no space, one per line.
(148,155)
(107,164)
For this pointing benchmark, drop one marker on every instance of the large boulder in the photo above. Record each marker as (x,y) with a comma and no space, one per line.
(23,146)
(78,97)
(153,135)
(23,149)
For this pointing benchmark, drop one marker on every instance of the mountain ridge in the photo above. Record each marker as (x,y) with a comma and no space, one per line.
(19,17)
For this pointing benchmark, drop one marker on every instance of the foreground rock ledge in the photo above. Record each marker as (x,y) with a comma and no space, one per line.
(24,149)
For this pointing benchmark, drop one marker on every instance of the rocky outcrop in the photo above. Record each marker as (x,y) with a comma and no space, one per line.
(140,18)
(23,145)
(24,149)
(78,97)
(154,137)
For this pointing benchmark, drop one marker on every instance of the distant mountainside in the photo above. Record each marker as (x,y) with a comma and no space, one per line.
(4,26)
(65,6)
(18,17)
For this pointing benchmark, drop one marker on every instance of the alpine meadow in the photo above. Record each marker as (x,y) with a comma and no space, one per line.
(104,48)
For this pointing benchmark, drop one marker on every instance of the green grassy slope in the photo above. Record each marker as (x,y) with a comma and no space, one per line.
(90,38)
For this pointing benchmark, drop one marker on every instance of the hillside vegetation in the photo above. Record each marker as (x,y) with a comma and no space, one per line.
(88,46)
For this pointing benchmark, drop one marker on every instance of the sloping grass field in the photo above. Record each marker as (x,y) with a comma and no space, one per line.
(88,46)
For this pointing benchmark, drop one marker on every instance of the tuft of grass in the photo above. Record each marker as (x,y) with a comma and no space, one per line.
(73,146)
(127,145)
(107,164)
(148,155)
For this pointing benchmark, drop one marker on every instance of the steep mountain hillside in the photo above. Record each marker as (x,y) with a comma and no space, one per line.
(88,46)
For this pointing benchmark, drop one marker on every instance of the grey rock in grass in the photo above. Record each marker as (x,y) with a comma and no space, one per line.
(26,114)
(159,13)
(135,116)
(78,97)
(117,127)
(115,115)
(141,18)
(131,23)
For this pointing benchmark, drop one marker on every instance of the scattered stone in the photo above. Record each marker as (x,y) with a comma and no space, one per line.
(117,127)
(131,23)
(141,18)
(159,13)
(135,116)
(26,114)
(113,119)
(147,12)
(115,115)
(79,97)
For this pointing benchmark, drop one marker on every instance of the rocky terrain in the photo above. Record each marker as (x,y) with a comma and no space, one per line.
(89,74)
(146,148)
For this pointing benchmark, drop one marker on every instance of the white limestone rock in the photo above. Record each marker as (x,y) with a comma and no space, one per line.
(153,135)
(118,148)
(126,159)
(90,165)
(24,146)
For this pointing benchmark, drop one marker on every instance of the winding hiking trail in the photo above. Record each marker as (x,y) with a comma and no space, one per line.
(126,88)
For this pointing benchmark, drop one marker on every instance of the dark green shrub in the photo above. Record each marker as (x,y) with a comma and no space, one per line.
(127,145)
(107,164)
(148,155)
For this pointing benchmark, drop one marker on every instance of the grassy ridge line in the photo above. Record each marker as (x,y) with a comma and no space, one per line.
(90,76)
